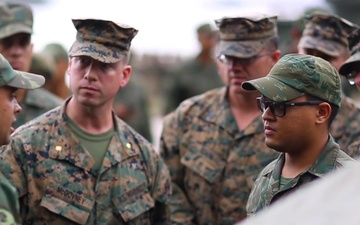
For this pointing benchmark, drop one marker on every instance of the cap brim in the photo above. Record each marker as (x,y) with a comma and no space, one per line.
(26,80)
(15,29)
(330,48)
(96,51)
(346,67)
(272,89)
(240,49)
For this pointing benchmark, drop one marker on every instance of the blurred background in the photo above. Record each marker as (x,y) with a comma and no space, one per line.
(167,31)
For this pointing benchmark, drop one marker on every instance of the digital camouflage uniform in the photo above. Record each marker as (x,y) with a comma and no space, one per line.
(328,34)
(212,163)
(9,204)
(18,18)
(291,77)
(192,77)
(36,102)
(55,175)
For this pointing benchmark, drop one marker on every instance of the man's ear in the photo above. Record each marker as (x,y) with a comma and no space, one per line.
(323,113)
(126,74)
(276,56)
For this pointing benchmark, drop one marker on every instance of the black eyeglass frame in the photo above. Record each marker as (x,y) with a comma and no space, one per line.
(280,111)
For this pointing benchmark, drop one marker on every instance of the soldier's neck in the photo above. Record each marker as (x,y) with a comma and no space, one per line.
(93,120)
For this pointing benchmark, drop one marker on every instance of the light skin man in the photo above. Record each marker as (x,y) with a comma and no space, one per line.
(213,143)
(80,163)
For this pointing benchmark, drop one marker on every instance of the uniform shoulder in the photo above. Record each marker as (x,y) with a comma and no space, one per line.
(197,104)
(40,123)
(270,167)
(344,160)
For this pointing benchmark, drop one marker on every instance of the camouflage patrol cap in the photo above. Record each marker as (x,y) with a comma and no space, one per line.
(326,33)
(245,36)
(18,79)
(354,46)
(102,40)
(15,18)
(297,74)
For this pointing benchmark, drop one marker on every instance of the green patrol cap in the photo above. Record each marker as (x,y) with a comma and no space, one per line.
(102,40)
(354,46)
(326,33)
(297,74)
(15,18)
(246,35)
(18,79)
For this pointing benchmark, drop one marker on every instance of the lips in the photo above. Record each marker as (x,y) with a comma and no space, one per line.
(237,79)
(89,88)
(269,130)
(16,65)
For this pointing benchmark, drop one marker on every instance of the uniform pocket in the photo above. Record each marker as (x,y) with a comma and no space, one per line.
(133,203)
(204,166)
(67,203)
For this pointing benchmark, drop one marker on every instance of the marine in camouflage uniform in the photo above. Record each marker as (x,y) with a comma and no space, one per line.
(351,67)
(196,75)
(10,81)
(65,165)
(214,153)
(325,36)
(16,27)
(304,157)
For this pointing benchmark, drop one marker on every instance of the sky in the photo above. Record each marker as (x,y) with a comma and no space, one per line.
(165,26)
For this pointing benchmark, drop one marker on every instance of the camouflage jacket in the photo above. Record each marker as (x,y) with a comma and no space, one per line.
(267,186)
(345,127)
(9,204)
(36,102)
(212,163)
(57,184)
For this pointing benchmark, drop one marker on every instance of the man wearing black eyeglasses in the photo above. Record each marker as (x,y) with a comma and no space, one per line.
(325,36)
(300,98)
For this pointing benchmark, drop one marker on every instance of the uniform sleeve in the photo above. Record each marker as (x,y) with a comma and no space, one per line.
(181,210)
(11,165)
(160,187)
(9,203)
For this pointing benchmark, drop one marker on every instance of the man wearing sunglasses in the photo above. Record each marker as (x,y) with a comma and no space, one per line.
(213,143)
(300,98)
(325,36)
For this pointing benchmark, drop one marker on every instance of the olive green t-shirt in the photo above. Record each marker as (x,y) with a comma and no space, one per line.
(284,181)
(95,144)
